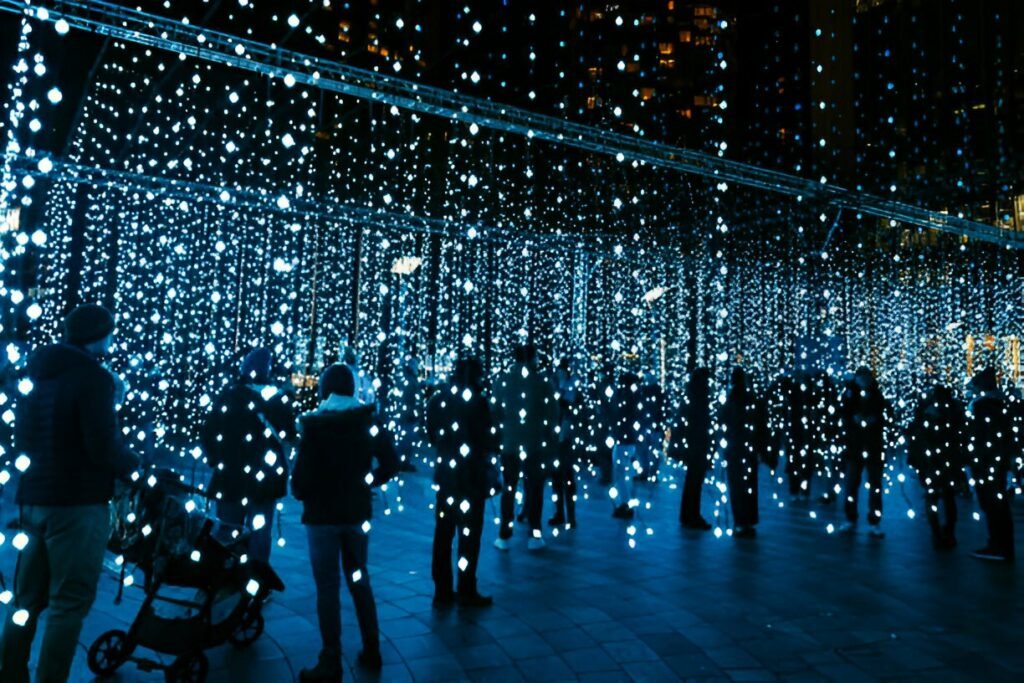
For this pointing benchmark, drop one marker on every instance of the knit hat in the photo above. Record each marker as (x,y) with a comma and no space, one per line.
(337,379)
(985,380)
(88,323)
(256,365)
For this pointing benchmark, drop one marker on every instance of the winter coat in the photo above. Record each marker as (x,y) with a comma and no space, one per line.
(337,447)
(989,438)
(863,413)
(628,408)
(67,427)
(527,413)
(244,439)
(692,436)
(743,421)
(460,426)
(935,445)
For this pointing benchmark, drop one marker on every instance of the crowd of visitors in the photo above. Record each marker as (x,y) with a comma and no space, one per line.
(527,426)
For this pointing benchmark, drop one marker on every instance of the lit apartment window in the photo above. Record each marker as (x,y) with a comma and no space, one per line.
(667,63)
(591,102)
(685,37)
(686,113)
(704,11)
(671,5)
(666,48)
(646,93)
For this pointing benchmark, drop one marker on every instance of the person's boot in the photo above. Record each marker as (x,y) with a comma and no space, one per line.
(370,660)
(327,669)
(557,520)
(623,512)
(473,600)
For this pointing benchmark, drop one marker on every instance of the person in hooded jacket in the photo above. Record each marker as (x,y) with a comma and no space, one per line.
(989,447)
(246,439)
(527,417)
(863,411)
(66,427)
(333,478)
(692,445)
(461,428)
(744,425)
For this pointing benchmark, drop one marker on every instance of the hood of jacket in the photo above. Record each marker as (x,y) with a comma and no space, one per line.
(337,409)
(55,360)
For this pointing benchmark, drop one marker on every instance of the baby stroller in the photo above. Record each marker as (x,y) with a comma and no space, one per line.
(200,591)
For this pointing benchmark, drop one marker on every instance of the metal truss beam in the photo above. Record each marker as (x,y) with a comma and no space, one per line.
(320,209)
(151,30)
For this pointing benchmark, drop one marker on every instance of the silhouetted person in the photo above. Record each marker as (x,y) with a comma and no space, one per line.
(246,439)
(989,443)
(863,410)
(563,481)
(66,425)
(333,478)
(602,409)
(459,425)
(692,445)
(528,414)
(935,451)
(743,425)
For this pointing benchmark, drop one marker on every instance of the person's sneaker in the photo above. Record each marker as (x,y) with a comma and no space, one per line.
(745,532)
(327,670)
(847,527)
(987,553)
(474,600)
(443,600)
(557,520)
(876,532)
(536,543)
(370,661)
(623,512)
(502,544)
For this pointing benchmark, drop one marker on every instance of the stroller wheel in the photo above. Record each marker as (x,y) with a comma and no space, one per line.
(188,669)
(249,629)
(108,652)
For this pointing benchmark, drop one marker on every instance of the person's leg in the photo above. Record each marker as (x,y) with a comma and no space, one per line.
(261,540)
(689,512)
(444,531)
(31,593)
(570,491)
(76,540)
(534,502)
(355,544)
(949,502)
(855,467)
(471,529)
(876,471)
(558,486)
(324,556)
(510,466)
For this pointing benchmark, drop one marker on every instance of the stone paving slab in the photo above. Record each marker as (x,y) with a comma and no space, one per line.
(794,604)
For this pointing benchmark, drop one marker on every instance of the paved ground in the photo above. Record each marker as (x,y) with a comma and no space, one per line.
(795,604)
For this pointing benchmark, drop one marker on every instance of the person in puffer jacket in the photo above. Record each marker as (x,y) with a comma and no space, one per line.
(247,439)
(333,478)
(67,436)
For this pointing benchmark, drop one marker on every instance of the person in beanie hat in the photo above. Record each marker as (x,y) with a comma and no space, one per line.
(334,478)
(66,425)
(246,440)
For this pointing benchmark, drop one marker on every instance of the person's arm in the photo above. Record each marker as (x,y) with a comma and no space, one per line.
(300,470)
(100,436)
(388,463)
